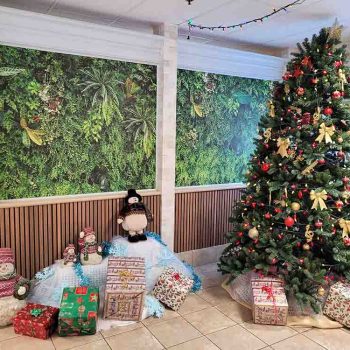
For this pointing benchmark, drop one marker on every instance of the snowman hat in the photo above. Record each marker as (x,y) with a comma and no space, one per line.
(69,246)
(6,256)
(132,193)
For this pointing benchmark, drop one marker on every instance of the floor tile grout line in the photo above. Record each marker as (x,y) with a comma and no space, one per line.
(240,325)
(315,341)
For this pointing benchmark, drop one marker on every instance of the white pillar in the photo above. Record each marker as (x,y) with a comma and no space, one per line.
(166,130)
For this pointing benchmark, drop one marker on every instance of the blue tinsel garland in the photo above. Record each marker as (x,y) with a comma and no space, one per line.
(83,280)
(155,236)
(154,307)
(197,282)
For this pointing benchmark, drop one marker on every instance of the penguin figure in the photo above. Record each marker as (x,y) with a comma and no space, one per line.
(134,217)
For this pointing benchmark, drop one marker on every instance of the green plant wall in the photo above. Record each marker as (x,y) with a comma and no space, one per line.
(72,124)
(217,119)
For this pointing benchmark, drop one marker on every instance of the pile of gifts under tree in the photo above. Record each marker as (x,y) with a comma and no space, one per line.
(270,304)
(125,287)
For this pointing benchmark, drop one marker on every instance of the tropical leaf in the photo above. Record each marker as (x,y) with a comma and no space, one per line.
(9,71)
(131,88)
(34,135)
(198,109)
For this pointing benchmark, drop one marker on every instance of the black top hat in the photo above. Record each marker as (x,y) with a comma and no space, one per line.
(132,193)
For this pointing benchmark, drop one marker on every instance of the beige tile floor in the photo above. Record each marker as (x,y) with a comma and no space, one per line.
(207,320)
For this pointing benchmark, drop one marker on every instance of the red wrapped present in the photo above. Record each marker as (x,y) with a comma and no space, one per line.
(36,320)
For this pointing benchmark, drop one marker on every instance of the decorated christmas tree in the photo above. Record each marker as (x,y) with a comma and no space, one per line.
(293,219)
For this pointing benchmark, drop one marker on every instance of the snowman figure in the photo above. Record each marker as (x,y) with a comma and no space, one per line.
(134,217)
(90,251)
(13,288)
(69,255)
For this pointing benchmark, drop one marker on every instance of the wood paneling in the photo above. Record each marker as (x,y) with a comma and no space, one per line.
(201,218)
(39,234)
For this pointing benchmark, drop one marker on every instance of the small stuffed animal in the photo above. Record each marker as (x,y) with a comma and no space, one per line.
(13,288)
(90,251)
(69,255)
(134,216)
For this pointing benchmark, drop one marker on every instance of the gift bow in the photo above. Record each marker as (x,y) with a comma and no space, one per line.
(283,145)
(318,198)
(345,225)
(124,275)
(326,133)
(36,312)
(269,291)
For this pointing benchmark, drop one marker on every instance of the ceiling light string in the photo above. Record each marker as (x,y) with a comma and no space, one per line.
(261,19)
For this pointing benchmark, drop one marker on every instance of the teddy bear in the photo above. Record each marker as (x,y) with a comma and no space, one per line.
(13,288)
(90,251)
(134,217)
(69,255)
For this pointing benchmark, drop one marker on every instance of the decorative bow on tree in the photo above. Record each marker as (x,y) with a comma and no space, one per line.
(319,199)
(283,145)
(345,225)
(326,133)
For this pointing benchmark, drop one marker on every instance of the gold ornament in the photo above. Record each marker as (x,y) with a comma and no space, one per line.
(326,133)
(295,206)
(340,139)
(318,198)
(306,246)
(342,78)
(286,89)
(309,168)
(345,225)
(345,195)
(267,135)
(309,235)
(253,233)
(271,108)
(283,145)
(321,291)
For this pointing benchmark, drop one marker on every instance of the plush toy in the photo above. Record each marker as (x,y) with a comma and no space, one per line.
(13,288)
(90,251)
(134,216)
(69,255)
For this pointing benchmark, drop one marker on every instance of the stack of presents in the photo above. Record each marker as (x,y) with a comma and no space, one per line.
(270,304)
(124,298)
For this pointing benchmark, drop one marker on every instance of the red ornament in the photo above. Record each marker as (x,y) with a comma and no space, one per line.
(339,204)
(305,120)
(240,234)
(253,205)
(336,95)
(330,53)
(298,244)
(246,225)
(265,167)
(318,224)
(297,72)
(321,161)
(262,205)
(294,186)
(274,261)
(338,64)
(300,194)
(346,180)
(324,72)
(280,236)
(266,145)
(340,154)
(301,261)
(289,221)
(300,91)
(328,111)
(346,241)
(287,75)
(268,216)
(278,210)
(314,145)
(314,81)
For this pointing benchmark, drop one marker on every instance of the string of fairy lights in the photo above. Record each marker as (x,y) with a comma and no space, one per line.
(275,11)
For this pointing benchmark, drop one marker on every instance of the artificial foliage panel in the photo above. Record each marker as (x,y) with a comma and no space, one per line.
(72,124)
(217,120)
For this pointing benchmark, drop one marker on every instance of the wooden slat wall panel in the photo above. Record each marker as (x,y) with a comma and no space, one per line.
(39,234)
(201,218)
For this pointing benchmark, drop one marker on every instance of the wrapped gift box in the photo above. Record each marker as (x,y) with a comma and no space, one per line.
(78,311)
(36,320)
(273,282)
(125,288)
(270,306)
(172,288)
(337,305)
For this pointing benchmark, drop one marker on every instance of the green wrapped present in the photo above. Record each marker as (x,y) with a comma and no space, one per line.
(78,311)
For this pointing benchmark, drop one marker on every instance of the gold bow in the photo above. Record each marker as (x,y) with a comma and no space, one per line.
(318,198)
(326,133)
(309,168)
(283,145)
(345,225)
(308,234)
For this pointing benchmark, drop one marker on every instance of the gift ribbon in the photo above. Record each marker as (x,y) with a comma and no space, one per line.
(36,312)
(283,145)
(318,198)
(124,276)
(269,291)
(345,225)
(326,133)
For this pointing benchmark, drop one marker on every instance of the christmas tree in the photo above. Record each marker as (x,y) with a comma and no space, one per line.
(293,219)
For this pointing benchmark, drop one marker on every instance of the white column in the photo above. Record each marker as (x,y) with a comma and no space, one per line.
(166,130)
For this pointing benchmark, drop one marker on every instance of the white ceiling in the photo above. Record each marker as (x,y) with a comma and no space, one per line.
(277,33)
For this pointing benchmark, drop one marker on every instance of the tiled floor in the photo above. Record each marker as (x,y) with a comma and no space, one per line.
(207,320)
